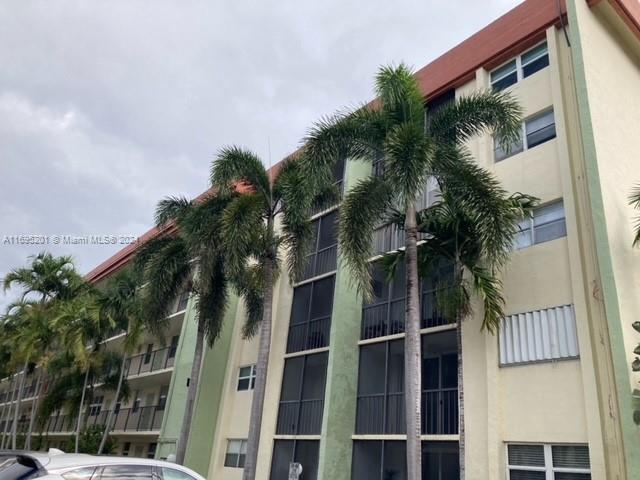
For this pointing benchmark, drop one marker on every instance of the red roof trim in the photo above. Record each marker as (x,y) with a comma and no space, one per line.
(516,30)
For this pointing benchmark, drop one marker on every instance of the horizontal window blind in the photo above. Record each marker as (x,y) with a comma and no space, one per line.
(538,336)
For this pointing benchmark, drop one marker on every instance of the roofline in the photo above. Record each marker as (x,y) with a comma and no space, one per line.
(518,29)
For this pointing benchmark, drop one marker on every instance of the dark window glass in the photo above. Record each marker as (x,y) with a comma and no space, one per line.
(162,399)
(314,377)
(440,460)
(372,368)
(174,346)
(527,475)
(322,299)
(540,128)
(306,453)
(282,456)
(291,378)
(367,460)
(395,460)
(327,236)
(504,76)
(79,474)
(379,284)
(147,355)
(301,302)
(127,472)
(395,375)
(535,59)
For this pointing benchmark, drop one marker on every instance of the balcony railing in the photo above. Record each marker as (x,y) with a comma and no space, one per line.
(140,419)
(160,359)
(300,417)
(385,414)
(309,335)
(321,262)
(383,319)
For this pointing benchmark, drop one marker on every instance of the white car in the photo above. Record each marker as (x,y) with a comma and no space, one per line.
(58,465)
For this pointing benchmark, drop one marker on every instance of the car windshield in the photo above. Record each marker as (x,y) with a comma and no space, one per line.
(17,468)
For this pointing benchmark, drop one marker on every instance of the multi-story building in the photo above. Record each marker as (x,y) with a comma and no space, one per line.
(549,396)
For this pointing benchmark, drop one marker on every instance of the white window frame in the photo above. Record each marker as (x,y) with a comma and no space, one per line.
(548,469)
(531,225)
(518,59)
(251,377)
(243,446)
(523,134)
(96,405)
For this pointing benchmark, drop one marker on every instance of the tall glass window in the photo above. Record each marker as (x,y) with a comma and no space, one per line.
(324,252)
(310,322)
(304,452)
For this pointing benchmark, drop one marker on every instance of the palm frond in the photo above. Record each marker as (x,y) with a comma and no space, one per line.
(295,192)
(399,94)
(634,201)
(243,230)
(171,209)
(250,286)
(211,304)
(497,112)
(235,165)
(361,211)
(488,287)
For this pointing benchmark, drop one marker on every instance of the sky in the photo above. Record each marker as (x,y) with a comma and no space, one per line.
(106,107)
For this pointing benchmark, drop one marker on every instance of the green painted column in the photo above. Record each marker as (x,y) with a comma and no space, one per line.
(177,395)
(630,432)
(339,417)
(209,397)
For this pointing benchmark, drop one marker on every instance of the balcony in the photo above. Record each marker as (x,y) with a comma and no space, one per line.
(140,419)
(149,362)
(321,262)
(300,417)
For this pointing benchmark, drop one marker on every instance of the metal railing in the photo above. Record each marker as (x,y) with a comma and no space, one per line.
(140,419)
(160,359)
(383,319)
(309,335)
(321,262)
(385,413)
(300,417)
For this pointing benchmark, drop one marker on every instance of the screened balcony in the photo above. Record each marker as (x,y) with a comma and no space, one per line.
(324,251)
(310,322)
(151,361)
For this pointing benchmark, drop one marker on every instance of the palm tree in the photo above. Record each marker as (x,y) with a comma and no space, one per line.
(189,260)
(251,246)
(45,279)
(454,234)
(82,330)
(120,301)
(634,201)
(412,145)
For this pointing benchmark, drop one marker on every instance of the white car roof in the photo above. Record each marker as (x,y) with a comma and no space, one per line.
(55,462)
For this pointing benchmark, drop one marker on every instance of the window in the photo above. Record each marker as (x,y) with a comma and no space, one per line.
(151,451)
(386,459)
(384,313)
(537,129)
(548,462)
(236,452)
(304,452)
(310,321)
(545,224)
(324,250)
(147,354)
(520,67)
(79,474)
(302,395)
(127,472)
(136,404)
(126,448)
(538,336)
(173,348)
(247,378)
(173,474)
(183,300)
(96,405)
(329,201)
(162,399)
(380,398)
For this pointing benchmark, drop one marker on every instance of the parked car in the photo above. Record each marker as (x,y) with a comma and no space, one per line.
(57,465)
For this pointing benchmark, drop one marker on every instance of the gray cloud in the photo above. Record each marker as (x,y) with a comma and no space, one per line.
(105,107)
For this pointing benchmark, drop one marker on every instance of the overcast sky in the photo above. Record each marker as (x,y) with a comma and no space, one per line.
(105,107)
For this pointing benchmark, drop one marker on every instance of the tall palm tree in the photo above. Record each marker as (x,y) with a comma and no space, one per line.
(412,145)
(252,244)
(120,301)
(189,260)
(454,234)
(45,279)
(82,330)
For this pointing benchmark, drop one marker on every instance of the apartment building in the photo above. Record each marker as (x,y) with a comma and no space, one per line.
(142,424)
(548,397)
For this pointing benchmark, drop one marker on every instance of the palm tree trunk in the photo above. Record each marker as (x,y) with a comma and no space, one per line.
(16,413)
(80,416)
(196,366)
(34,410)
(107,425)
(412,350)
(461,433)
(257,403)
